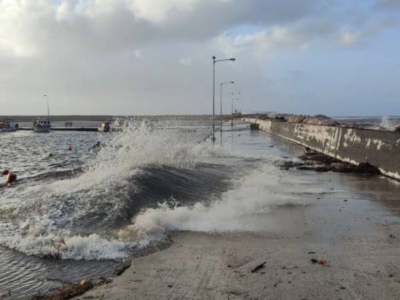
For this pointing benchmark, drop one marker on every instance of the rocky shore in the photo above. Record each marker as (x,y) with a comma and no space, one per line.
(315,161)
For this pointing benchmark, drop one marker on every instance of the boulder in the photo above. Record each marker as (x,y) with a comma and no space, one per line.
(296,119)
(330,122)
(312,121)
(395,128)
(323,122)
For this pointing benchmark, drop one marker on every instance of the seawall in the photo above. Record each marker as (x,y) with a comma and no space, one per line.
(381,149)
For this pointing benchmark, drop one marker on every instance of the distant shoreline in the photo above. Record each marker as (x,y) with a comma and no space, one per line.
(29,118)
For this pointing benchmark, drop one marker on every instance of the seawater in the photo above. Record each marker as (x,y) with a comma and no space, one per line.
(76,214)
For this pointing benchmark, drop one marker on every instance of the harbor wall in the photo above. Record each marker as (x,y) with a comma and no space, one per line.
(380,149)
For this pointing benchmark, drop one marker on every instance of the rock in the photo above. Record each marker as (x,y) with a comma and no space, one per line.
(280,119)
(320,121)
(296,119)
(322,117)
(330,123)
(121,269)
(102,281)
(258,267)
(351,125)
(66,293)
(312,121)
(395,128)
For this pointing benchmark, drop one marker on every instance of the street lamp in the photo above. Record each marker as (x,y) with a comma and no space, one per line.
(220,109)
(232,105)
(213,117)
(48,110)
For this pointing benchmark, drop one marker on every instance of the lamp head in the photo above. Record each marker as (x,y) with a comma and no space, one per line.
(232,59)
(213,57)
(232,82)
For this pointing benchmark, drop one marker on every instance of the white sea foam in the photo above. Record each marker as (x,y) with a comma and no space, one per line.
(42,214)
(254,194)
(92,247)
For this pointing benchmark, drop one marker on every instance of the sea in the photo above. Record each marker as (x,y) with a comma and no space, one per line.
(79,211)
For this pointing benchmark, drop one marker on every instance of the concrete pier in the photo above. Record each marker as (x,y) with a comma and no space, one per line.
(64,129)
(380,149)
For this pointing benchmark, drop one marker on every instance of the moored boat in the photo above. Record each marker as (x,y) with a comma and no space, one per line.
(42,125)
(8,125)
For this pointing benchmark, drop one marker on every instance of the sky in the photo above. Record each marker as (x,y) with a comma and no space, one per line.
(154,57)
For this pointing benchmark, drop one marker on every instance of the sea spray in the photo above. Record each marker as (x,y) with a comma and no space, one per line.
(385,123)
(82,210)
(254,194)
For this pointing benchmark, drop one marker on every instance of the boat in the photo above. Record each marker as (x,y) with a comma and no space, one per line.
(8,125)
(104,127)
(42,125)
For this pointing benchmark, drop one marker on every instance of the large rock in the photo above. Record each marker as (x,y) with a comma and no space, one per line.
(330,122)
(316,120)
(296,119)
(312,121)
(395,128)
(321,122)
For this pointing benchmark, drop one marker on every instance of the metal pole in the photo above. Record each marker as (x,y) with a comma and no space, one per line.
(48,110)
(232,112)
(220,106)
(222,83)
(213,116)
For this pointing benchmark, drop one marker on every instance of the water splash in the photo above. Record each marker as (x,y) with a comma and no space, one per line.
(82,210)
(385,123)
(253,195)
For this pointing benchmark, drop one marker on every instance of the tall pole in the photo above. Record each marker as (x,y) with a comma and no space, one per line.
(48,110)
(213,116)
(232,113)
(220,106)
(213,110)
(220,109)
(232,106)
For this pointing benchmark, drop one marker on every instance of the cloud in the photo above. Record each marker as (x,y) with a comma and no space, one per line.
(187,62)
(366,32)
(116,56)
(388,4)
(297,35)
(348,39)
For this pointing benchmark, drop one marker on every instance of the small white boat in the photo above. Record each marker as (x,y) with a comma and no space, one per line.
(8,125)
(42,125)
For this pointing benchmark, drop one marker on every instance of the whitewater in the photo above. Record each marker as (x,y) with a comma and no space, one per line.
(101,207)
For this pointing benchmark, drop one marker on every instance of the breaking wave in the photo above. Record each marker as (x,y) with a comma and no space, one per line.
(141,184)
(80,217)
(257,193)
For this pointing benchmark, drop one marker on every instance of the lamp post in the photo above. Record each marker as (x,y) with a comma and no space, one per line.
(233,94)
(48,110)
(213,117)
(220,109)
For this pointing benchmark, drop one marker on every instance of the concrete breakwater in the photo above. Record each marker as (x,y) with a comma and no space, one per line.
(380,149)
